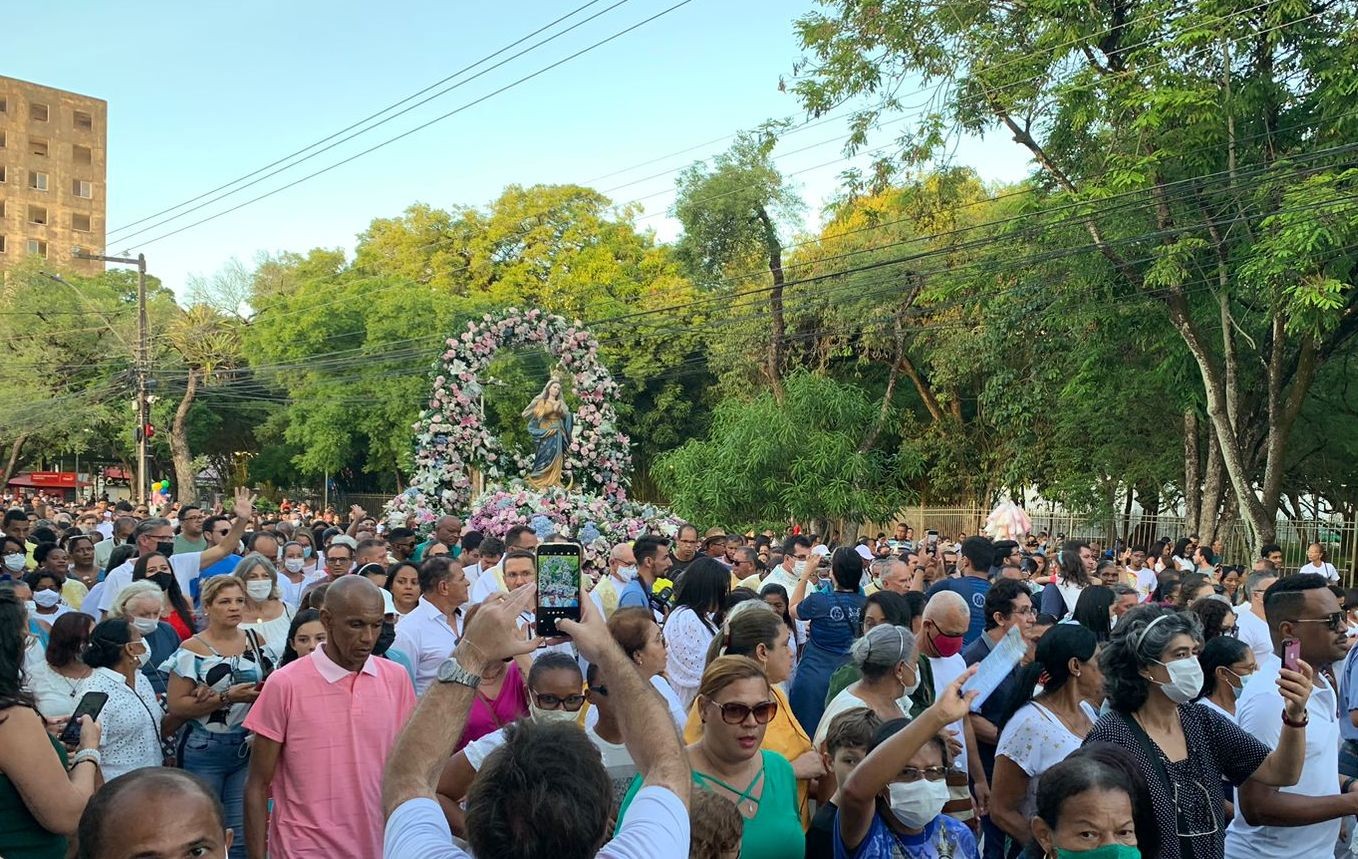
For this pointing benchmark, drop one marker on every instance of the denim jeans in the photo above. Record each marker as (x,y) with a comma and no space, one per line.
(223,761)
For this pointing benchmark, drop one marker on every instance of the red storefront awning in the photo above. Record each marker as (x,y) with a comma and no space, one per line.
(47,480)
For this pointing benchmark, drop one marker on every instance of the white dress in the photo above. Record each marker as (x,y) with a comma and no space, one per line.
(686,640)
(1036,740)
(273,633)
(130,721)
(55,694)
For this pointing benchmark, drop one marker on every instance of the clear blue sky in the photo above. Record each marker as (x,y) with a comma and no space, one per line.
(200,94)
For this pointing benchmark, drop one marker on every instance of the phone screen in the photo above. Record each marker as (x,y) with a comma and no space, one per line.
(558,585)
(1291,654)
(91,704)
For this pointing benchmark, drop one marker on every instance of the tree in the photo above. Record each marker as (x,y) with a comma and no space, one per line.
(731,214)
(1197,146)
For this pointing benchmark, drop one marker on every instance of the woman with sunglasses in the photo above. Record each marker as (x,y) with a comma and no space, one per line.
(1151,674)
(555,694)
(736,705)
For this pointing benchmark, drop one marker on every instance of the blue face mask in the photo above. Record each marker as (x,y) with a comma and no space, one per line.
(306,552)
(1107,851)
(1243,678)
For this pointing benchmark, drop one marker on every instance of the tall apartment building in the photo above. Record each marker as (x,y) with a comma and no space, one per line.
(53,162)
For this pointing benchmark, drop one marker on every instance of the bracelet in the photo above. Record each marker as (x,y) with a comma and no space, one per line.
(1289,722)
(91,755)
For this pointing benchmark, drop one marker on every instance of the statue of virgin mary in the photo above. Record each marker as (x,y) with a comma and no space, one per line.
(550,424)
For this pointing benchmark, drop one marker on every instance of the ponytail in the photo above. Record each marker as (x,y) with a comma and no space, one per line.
(748,625)
(1051,664)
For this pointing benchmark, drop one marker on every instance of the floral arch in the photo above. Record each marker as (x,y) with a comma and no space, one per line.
(451,437)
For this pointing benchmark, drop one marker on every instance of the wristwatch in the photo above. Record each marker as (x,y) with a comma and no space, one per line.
(451,672)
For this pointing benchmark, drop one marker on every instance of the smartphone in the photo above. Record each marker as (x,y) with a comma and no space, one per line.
(91,704)
(1291,654)
(931,537)
(558,585)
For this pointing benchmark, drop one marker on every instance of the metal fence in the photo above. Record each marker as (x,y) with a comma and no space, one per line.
(1338,536)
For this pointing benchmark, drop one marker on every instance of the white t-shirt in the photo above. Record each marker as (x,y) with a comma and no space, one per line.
(616,759)
(1259,713)
(1253,631)
(946,670)
(656,826)
(846,700)
(1324,568)
(1036,740)
(185,568)
(1146,582)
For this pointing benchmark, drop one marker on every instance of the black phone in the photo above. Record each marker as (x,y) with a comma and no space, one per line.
(91,704)
(559,588)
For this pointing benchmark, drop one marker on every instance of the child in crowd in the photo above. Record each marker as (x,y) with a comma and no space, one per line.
(846,744)
(715,827)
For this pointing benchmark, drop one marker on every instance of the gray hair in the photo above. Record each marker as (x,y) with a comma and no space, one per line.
(146,526)
(255,559)
(133,592)
(1138,641)
(1253,580)
(1125,590)
(881,649)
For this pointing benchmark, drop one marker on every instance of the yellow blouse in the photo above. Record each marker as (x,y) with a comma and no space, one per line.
(784,735)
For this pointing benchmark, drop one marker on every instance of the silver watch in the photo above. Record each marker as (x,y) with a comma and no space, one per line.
(451,672)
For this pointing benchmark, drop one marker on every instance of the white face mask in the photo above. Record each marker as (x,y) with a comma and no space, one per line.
(917,803)
(1185,679)
(910,690)
(799,567)
(546,717)
(143,657)
(15,562)
(259,589)
(293,565)
(627,573)
(145,625)
(46,599)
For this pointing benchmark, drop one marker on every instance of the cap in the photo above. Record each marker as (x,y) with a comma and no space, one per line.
(864,552)
(388,604)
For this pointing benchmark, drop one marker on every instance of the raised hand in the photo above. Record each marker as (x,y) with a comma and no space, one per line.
(244,506)
(493,633)
(1295,687)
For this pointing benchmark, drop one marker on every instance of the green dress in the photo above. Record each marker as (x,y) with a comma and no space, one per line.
(775,832)
(21,835)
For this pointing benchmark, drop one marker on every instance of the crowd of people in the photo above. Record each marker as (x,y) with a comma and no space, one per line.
(222,683)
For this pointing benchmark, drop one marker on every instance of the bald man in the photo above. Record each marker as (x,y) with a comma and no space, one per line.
(448,531)
(188,818)
(323,728)
(622,568)
(946,619)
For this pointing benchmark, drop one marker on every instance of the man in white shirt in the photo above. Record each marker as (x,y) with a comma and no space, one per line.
(573,815)
(431,630)
(1302,820)
(1146,580)
(492,579)
(120,531)
(1250,624)
(796,554)
(487,554)
(622,568)
(947,618)
(1317,565)
(157,536)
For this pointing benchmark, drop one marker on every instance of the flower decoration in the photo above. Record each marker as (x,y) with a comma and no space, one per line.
(451,436)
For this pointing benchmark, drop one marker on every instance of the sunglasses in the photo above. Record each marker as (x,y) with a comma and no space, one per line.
(735,713)
(1335,622)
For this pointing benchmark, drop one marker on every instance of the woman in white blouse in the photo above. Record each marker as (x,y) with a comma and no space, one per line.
(639,636)
(131,718)
(1042,732)
(699,598)
(265,612)
(55,679)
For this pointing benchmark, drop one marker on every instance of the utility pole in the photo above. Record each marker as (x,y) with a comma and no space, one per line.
(143,361)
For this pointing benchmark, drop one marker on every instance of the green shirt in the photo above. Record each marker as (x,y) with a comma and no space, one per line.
(21,835)
(775,832)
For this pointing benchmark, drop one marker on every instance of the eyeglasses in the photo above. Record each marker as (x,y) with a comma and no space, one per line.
(1335,622)
(1030,611)
(554,702)
(335,559)
(734,713)
(911,774)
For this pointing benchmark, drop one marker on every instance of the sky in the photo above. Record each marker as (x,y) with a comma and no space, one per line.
(203,94)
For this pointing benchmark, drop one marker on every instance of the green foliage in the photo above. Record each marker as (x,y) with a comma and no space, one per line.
(764,462)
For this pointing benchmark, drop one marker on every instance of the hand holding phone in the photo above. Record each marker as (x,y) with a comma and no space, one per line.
(558,591)
(1292,654)
(91,704)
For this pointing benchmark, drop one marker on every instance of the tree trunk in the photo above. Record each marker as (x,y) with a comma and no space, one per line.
(776,324)
(1213,487)
(12,463)
(185,488)
(1192,470)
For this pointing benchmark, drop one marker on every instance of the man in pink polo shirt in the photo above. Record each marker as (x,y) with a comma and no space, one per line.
(323,728)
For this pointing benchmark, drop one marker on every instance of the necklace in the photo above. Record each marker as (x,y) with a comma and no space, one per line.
(745,802)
